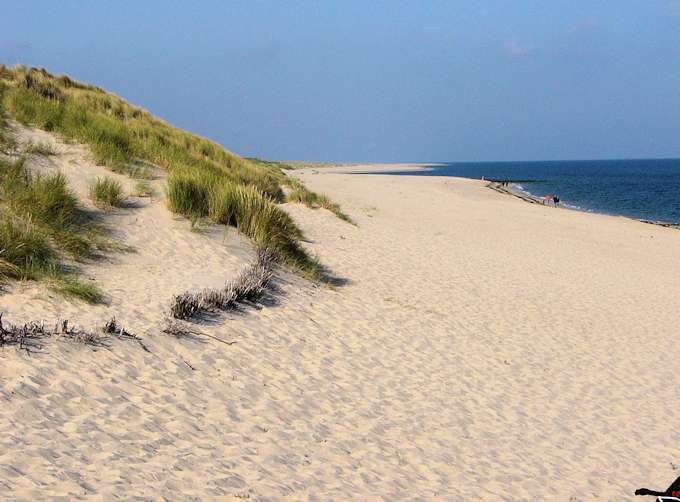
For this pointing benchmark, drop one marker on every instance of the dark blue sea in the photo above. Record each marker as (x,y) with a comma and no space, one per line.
(641,189)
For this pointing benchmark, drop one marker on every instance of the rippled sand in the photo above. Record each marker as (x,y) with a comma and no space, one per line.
(480,348)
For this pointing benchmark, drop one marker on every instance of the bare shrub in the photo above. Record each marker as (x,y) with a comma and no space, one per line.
(113,328)
(247,287)
(29,336)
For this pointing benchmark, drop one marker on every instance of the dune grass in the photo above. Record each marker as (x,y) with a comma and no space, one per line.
(40,225)
(143,188)
(252,212)
(204,179)
(24,249)
(106,193)
(71,286)
(8,144)
(299,193)
(42,149)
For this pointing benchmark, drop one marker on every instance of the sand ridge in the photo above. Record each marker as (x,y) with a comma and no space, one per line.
(481,349)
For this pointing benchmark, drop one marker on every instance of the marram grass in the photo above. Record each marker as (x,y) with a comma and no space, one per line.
(106,193)
(40,225)
(204,179)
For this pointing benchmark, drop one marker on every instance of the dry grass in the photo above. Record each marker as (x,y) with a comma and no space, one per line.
(247,287)
(30,336)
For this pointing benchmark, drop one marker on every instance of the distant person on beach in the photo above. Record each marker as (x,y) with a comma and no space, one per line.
(547,199)
(556,199)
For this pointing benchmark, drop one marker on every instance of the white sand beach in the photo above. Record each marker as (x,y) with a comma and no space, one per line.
(476,348)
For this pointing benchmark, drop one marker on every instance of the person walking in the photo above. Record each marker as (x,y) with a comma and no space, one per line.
(556,199)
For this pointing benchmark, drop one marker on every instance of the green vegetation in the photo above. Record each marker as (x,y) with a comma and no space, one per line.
(270,164)
(7,143)
(39,149)
(204,179)
(143,188)
(299,193)
(106,193)
(71,286)
(24,249)
(44,205)
(197,195)
(40,224)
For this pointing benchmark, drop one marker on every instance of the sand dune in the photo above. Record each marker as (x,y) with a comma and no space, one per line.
(481,349)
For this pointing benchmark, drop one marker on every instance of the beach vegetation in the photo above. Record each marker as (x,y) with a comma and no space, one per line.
(248,286)
(43,149)
(299,193)
(106,193)
(204,179)
(41,225)
(74,287)
(143,188)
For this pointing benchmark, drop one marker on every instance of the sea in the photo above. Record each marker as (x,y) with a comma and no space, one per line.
(645,189)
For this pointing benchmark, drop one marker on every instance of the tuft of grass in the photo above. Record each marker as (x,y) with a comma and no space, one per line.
(43,149)
(25,251)
(143,188)
(73,287)
(43,203)
(188,194)
(8,144)
(137,170)
(252,212)
(313,200)
(106,193)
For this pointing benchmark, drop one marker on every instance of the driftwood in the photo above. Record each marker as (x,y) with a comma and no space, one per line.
(247,287)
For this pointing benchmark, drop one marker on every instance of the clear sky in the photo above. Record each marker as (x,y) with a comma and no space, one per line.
(378,81)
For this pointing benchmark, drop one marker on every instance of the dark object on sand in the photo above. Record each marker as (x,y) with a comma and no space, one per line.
(29,337)
(671,493)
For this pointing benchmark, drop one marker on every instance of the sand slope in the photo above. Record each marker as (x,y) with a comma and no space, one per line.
(482,349)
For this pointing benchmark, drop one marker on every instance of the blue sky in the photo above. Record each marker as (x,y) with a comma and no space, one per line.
(379,81)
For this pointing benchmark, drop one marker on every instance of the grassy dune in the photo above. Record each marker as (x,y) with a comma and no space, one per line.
(40,223)
(204,179)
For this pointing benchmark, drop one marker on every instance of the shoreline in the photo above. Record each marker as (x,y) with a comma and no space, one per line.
(492,184)
(533,199)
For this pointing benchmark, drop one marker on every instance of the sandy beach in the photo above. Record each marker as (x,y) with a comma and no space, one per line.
(476,348)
